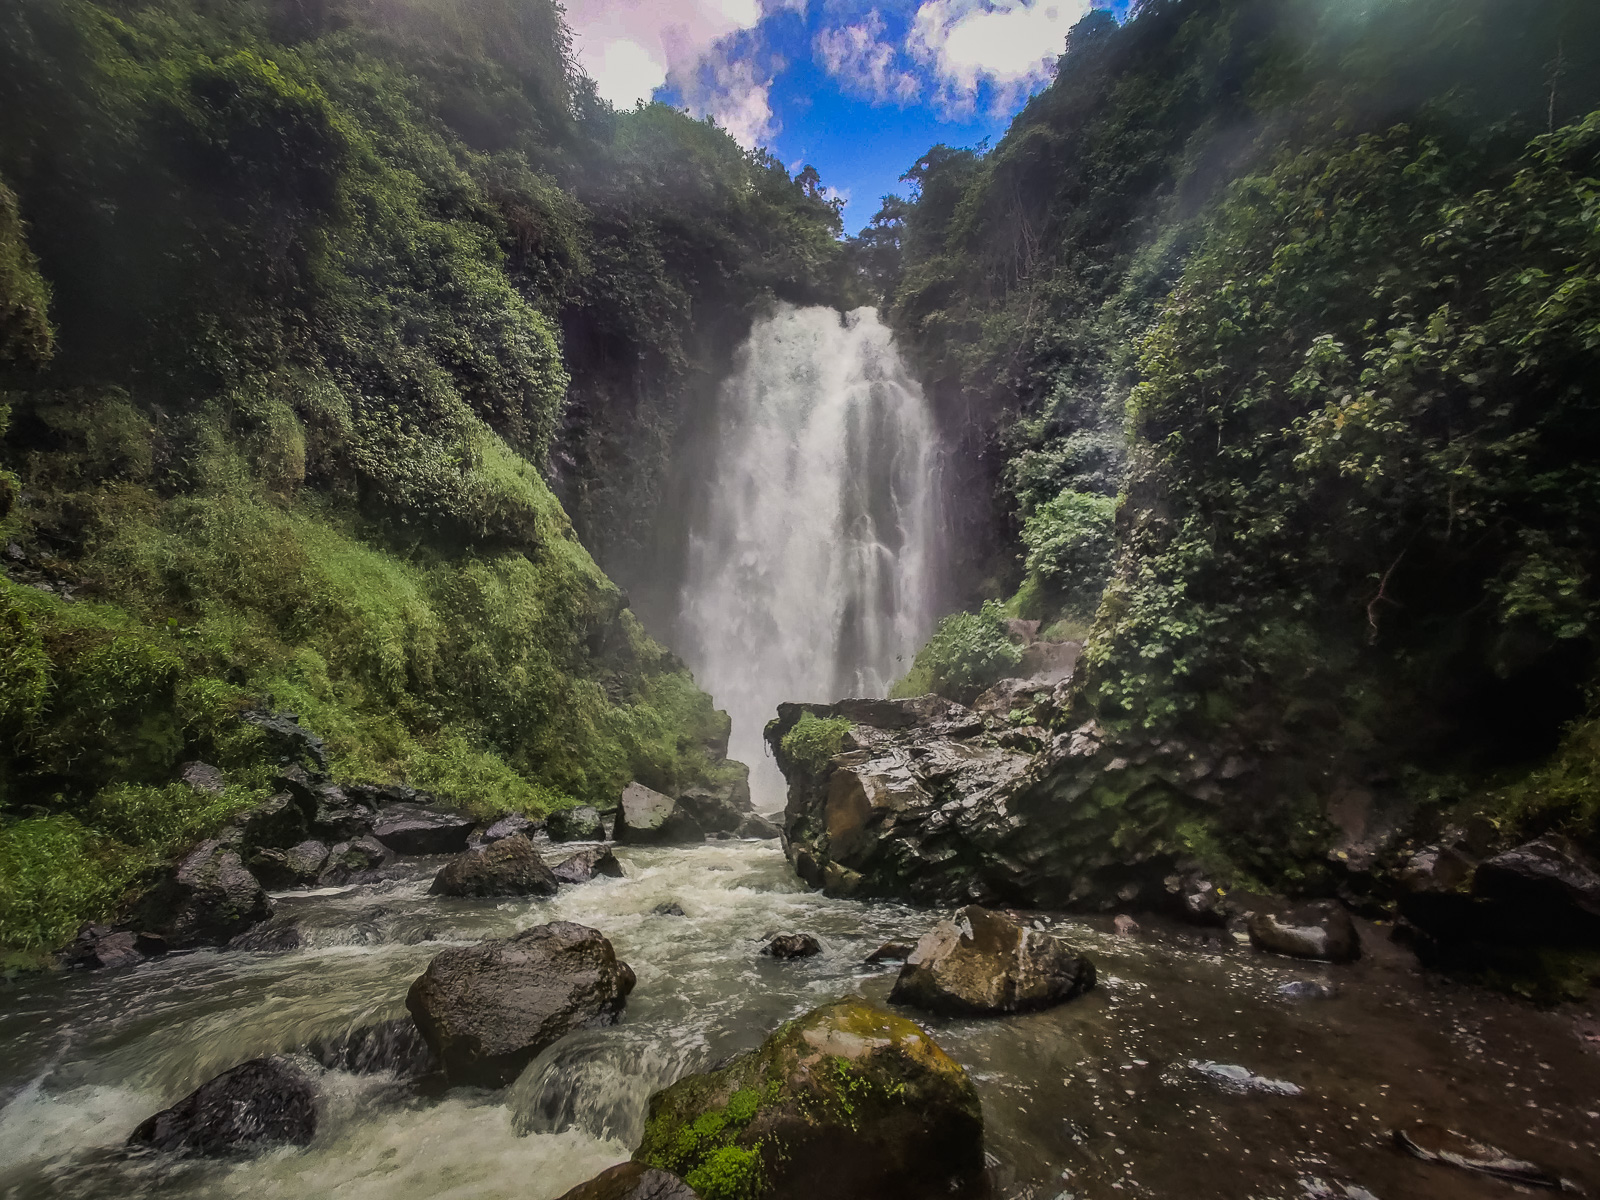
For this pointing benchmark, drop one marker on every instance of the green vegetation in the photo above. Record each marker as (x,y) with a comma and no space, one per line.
(293,302)
(814,740)
(1310,288)
(967,653)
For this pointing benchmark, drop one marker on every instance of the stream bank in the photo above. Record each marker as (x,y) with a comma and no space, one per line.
(1120,1092)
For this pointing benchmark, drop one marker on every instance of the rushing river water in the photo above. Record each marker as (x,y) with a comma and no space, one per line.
(1186,1075)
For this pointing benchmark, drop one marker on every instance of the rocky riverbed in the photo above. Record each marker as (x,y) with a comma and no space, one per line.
(1198,1066)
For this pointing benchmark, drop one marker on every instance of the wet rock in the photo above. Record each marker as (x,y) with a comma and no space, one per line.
(1233,1078)
(512,824)
(982,962)
(586,864)
(271,938)
(891,952)
(299,866)
(632,1181)
(1437,870)
(1125,926)
(792,945)
(1308,989)
(1549,884)
(508,867)
(202,777)
(754,825)
(670,909)
(276,823)
(580,824)
(1431,1143)
(352,858)
(649,817)
(487,1010)
(210,898)
(718,807)
(424,832)
(99,946)
(1197,899)
(286,738)
(848,1102)
(257,1104)
(396,1045)
(1323,930)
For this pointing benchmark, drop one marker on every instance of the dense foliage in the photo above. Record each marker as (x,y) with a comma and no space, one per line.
(295,302)
(967,652)
(1310,289)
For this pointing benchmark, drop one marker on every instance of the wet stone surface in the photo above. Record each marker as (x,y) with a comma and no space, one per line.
(1101,1098)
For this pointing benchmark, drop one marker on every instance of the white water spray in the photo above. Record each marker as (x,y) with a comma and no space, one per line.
(811,575)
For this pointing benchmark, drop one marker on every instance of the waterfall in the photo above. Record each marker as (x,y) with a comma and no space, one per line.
(812,565)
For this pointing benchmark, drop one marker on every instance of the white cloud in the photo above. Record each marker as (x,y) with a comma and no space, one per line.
(630,47)
(1010,44)
(730,90)
(861,60)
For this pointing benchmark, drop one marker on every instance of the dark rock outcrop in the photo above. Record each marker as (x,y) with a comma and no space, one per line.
(202,777)
(101,946)
(649,817)
(586,864)
(981,962)
(1549,884)
(353,858)
(508,825)
(299,866)
(210,898)
(1323,930)
(396,1045)
(508,867)
(288,739)
(632,1181)
(580,824)
(754,825)
(259,1103)
(419,831)
(791,945)
(848,1102)
(277,823)
(487,1010)
(718,807)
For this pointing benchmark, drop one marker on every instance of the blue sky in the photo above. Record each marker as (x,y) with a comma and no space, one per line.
(857,89)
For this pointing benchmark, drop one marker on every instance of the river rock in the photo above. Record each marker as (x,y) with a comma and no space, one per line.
(396,1045)
(982,962)
(791,945)
(511,824)
(717,808)
(424,832)
(278,822)
(580,824)
(1322,930)
(99,946)
(352,858)
(259,1103)
(487,1010)
(650,817)
(1547,884)
(210,898)
(891,952)
(632,1181)
(299,866)
(754,825)
(848,1102)
(274,937)
(586,864)
(508,867)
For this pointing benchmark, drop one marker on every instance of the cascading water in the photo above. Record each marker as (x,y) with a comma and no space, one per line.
(811,575)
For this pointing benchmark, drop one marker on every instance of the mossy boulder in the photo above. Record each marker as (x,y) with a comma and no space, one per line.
(848,1102)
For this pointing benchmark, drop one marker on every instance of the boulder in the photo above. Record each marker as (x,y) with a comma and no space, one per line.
(847,1102)
(632,1181)
(717,808)
(982,962)
(352,858)
(101,946)
(487,1010)
(754,825)
(669,909)
(580,824)
(508,867)
(586,864)
(202,777)
(424,832)
(290,741)
(278,822)
(1124,925)
(651,817)
(792,945)
(396,1045)
(301,865)
(210,898)
(263,1102)
(1322,930)
(1548,885)
(891,952)
(270,938)
(508,825)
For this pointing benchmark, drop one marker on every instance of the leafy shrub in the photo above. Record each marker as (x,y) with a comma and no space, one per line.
(814,740)
(967,653)
(54,874)
(1069,542)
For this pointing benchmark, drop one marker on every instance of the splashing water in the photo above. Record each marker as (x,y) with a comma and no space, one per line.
(811,575)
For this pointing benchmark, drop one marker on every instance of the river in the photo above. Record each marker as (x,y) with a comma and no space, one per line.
(1172,1080)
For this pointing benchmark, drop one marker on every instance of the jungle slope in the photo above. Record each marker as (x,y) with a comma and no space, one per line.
(293,299)
(1278,320)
